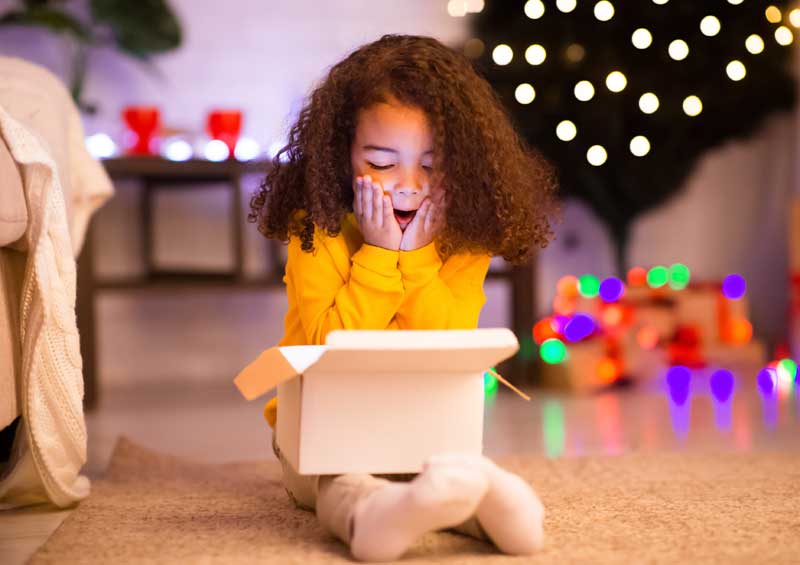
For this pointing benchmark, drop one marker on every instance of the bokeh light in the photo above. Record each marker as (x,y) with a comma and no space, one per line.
(489,383)
(794,17)
(754,44)
(773,14)
(657,276)
(679,276)
(525,93)
(766,381)
(101,146)
(566,130)
(596,155)
(616,81)
(535,54)
(692,106)
(740,331)
(637,276)
(787,370)
(647,337)
(784,36)
(567,286)
(566,6)
(580,326)
(502,54)
(611,289)
(678,50)
(534,9)
(604,10)
(642,38)
(553,351)
(710,26)
(543,330)
(216,150)
(679,379)
(584,91)
(734,286)
(721,383)
(640,146)
(608,370)
(457,8)
(736,70)
(588,286)
(613,315)
(648,103)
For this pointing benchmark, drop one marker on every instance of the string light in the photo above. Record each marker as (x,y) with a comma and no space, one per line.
(457,8)
(678,50)
(525,93)
(566,130)
(692,105)
(773,14)
(794,17)
(660,2)
(710,26)
(735,2)
(584,91)
(502,54)
(784,35)
(566,6)
(535,54)
(604,10)
(534,9)
(648,103)
(616,81)
(640,146)
(754,44)
(596,155)
(736,70)
(642,38)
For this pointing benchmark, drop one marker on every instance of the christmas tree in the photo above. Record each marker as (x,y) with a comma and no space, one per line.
(624,98)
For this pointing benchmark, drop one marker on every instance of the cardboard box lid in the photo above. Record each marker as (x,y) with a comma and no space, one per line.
(372,351)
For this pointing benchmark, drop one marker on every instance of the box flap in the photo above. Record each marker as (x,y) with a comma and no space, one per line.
(274,366)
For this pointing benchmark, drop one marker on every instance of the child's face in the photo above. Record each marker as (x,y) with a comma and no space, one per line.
(393,144)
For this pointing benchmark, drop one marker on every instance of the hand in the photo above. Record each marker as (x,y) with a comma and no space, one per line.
(375,215)
(423,228)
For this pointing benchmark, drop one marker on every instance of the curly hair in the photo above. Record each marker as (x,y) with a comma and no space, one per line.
(499,192)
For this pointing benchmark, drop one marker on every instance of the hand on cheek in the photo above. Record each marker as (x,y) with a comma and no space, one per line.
(423,228)
(375,215)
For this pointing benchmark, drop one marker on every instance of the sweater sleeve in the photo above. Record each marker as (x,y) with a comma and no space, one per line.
(367,300)
(431,302)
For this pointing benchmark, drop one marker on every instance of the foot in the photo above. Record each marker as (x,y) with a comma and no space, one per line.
(390,519)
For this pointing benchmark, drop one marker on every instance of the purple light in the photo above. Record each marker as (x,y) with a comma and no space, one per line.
(560,324)
(678,379)
(766,381)
(722,385)
(734,286)
(580,326)
(611,289)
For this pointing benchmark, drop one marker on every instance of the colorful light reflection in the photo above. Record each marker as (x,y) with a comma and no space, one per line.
(611,289)
(734,287)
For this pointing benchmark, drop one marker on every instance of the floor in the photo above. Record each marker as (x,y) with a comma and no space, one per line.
(214,424)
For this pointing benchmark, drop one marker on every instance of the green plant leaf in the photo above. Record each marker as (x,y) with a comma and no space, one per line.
(56,20)
(141,28)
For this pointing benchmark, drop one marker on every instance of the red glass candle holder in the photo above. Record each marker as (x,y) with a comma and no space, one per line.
(225,125)
(143,122)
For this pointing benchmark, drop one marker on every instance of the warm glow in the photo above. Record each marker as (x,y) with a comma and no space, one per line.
(794,17)
(613,315)
(647,337)
(502,54)
(692,105)
(640,146)
(535,54)
(678,50)
(457,8)
(740,331)
(575,53)
(608,370)
(754,44)
(604,10)
(566,6)
(710,26)
(534,9)
(596,155)
(648,103)
(660,2)
(637,276)
(642,38)
(543,330)
(475,6)
(566,131)
(567,286)
(736,70)
(616,81)
(773,14)
(525,93)
(784,35)
(584,91)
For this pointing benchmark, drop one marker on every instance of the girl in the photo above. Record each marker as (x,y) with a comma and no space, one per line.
(402,176)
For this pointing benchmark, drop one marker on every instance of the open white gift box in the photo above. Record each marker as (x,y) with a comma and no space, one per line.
(378,401)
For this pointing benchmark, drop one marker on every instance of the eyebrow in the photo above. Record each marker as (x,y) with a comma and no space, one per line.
(388,149)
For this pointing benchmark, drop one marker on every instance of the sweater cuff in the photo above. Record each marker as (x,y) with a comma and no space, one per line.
(377,259)
(419,260)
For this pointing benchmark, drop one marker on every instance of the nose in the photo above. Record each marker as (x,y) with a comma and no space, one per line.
(409,183)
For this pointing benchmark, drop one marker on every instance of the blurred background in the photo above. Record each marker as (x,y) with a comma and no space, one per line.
(672,125)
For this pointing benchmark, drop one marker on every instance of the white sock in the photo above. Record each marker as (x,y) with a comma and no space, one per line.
(510,513)
(390,519)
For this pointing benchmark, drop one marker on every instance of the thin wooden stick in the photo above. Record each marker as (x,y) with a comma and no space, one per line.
(496,375)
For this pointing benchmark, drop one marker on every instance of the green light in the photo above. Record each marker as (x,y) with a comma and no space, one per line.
(657,277)
(787,369)
(679,276)
(553,428)
(553,351)
(489,383)
(589,286)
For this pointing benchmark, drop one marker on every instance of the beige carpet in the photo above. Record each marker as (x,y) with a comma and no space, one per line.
(154,508)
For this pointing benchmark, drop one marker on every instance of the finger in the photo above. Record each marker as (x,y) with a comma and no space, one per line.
(388,211)
(357,196)
(430,217)
(366,199)
(377,199)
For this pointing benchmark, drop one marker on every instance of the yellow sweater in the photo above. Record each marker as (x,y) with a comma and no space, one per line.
(347,284)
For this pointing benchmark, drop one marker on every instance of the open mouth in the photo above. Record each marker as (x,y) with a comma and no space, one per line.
(404,217)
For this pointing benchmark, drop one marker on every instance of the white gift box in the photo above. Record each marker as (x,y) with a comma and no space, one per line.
(378,401)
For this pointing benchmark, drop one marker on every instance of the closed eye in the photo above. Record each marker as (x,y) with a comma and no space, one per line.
(379,167)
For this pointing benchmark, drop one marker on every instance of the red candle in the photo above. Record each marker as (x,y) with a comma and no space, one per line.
(144,122)
(225,125)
